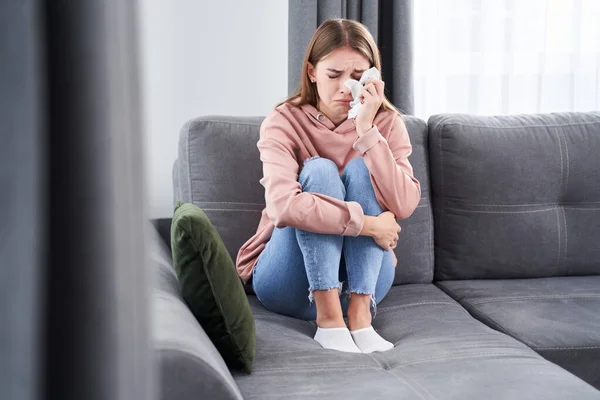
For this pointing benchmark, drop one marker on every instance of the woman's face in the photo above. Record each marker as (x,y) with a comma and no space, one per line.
(329,75)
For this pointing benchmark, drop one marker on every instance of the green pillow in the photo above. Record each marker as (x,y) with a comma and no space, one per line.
(211,286)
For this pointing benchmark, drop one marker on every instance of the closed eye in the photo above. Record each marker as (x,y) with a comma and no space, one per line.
(337,76)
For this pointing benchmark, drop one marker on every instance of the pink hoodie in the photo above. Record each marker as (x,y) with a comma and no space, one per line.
(290,135)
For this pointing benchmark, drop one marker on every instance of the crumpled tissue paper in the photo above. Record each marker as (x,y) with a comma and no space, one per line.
(356,87)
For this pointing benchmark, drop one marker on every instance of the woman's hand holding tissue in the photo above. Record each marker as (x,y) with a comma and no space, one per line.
(371,98)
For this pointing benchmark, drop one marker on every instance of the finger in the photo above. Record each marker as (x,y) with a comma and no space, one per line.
(378,84)
(371,90)
(367,95)
(370,87)
(398,229)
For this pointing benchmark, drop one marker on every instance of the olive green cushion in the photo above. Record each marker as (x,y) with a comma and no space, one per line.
(211,287)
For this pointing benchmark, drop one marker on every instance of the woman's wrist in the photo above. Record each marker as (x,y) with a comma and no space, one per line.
(361,130)
(367,229)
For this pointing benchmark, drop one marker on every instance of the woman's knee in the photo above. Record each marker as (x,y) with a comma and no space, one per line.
(357,181)
(356,169)
(321,175)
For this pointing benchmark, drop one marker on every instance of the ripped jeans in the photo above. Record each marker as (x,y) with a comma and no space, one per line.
(296,262)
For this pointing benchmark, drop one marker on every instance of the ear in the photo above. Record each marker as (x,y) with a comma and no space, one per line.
(312,76)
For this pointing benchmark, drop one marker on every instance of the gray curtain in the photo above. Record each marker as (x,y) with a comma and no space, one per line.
(74,318)
(390,23)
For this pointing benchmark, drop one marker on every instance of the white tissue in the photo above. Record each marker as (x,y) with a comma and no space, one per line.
(356,87)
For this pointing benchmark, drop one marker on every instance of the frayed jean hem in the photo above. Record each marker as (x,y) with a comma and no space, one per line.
(312,289)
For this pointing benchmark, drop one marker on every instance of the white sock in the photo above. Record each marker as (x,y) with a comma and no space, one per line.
(336,339)
(368,341)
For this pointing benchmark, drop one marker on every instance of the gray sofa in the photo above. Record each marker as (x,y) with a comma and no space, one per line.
(497,290)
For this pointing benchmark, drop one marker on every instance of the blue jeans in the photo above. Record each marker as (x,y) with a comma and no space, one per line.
(296,262)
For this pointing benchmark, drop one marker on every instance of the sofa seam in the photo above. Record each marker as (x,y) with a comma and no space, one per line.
(522,126)
(312,368)
(408,379)
(441,209)
(532,355)
(239,202)
(379,362)
(558,206)
(491,321)
(520,212)
(223,121)
(392,308)
(504,212)
(565,188)
(545,297)
(530,204)
(230,209)
(566,348)
(189,164)
(403,379)
(431,243)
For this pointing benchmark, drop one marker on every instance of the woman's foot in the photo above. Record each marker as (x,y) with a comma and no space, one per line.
(359,322)
(368,341)
(336,339)
(332,332)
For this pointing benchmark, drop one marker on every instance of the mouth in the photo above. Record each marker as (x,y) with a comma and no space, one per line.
(347,101)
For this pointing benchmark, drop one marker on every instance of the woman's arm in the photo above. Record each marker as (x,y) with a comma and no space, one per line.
(396,188)
(287,204)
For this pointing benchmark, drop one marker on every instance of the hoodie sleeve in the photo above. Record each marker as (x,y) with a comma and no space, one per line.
(286,203)
(396,188)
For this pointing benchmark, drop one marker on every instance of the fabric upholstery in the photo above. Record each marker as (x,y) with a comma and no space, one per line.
(187,361)
(441,353)
(211,287)
(218,169)
(558,317)
(515,196)
(163,226)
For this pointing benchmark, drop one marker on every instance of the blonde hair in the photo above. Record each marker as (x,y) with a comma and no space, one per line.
(334,34)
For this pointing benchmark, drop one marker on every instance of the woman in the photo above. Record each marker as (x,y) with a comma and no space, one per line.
(334,188)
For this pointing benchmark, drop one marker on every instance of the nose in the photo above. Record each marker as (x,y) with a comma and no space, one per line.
(343,89)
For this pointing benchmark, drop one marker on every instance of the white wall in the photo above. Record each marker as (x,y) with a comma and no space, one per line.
(199,58)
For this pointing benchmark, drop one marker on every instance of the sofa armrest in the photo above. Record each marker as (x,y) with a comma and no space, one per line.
(189,365)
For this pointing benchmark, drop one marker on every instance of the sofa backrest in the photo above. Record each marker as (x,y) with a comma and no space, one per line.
(218,169)
(515,196)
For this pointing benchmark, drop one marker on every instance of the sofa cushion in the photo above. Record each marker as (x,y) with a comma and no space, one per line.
(218,169)
(441,353)
(515,196)
(211,287)
(558,317)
